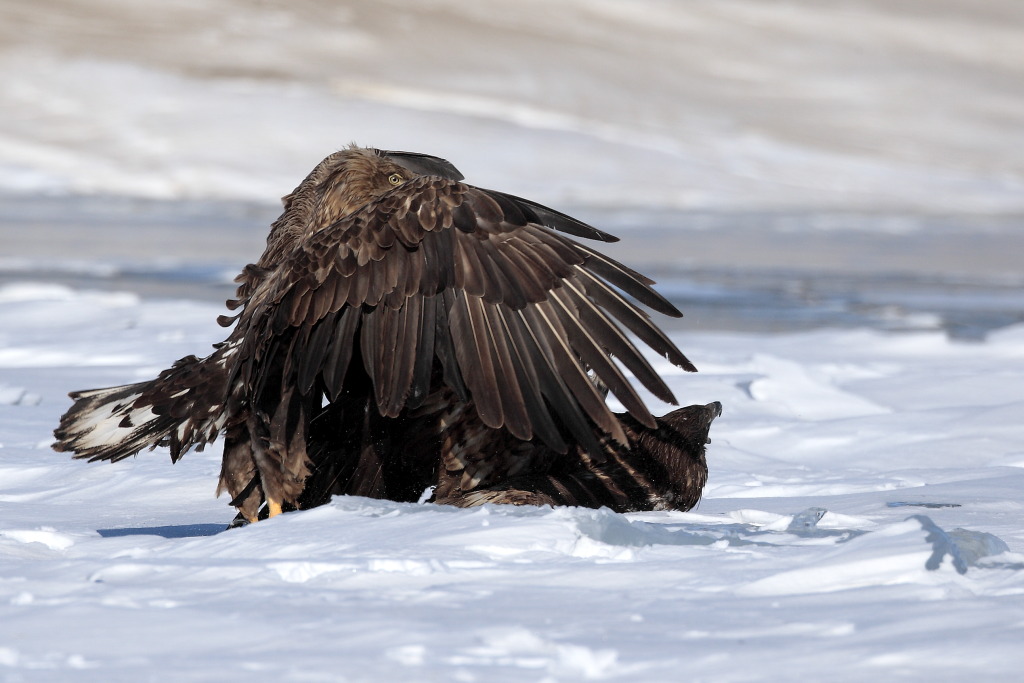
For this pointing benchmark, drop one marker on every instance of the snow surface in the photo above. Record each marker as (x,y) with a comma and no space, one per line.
(862,520)
(776,165)
(917,104)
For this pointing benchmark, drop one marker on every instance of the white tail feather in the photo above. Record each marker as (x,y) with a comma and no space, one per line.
(182,408)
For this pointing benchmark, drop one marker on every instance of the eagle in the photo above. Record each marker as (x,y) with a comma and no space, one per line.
(406,332)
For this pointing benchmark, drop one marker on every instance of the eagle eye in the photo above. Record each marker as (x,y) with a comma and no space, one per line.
(395,179)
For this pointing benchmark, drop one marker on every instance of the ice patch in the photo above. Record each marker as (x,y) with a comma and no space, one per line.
(123,572)
(48,537)
(806,521)
(407,655)
(929,505)
(22,598)
(760,518)
(80,662)
(867,561)
(617,532)
(896,554)
(964,547)
(819,487)
(17,396)
(519,647)
(301,572)
(799,391)
(19,292)
(1015,459)
(35,357)
(829,629)
(399,566)
(22,292)
(31,267)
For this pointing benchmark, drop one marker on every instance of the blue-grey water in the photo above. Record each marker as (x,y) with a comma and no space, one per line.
(728,271)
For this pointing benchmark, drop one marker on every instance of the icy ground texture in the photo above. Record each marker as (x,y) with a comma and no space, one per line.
(742,103)
(863,520)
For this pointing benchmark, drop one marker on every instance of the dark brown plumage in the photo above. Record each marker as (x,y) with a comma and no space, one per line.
(405,329)
(660,469)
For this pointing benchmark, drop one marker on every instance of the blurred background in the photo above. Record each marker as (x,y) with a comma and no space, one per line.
(775,165)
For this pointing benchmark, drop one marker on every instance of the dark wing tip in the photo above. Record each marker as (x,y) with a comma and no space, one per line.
(556,220)
(669,308)
(629,281)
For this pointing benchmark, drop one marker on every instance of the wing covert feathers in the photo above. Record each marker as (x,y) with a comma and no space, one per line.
(518,315)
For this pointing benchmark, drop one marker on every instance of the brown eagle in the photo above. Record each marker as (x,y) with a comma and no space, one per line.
(405,330)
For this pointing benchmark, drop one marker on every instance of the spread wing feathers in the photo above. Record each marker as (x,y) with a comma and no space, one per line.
(518,315)
(542,215)
(182,408)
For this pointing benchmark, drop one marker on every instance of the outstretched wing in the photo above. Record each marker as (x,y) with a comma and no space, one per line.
(518,316)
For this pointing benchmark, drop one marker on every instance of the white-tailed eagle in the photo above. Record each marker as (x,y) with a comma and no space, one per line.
(406,330)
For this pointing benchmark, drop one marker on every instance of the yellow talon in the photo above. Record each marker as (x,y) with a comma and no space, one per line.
(274,507)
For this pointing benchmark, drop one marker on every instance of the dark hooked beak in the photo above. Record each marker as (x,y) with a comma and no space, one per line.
(424,164)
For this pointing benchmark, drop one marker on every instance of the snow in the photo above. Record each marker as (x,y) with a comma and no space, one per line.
(832,192)
(862,518)
(741,103)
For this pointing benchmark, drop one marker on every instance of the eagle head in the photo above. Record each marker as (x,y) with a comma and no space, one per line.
(342,183)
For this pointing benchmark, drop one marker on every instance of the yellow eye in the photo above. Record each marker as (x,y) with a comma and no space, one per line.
(395,179)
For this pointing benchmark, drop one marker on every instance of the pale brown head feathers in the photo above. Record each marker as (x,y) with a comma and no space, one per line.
(356,177)
(340,184)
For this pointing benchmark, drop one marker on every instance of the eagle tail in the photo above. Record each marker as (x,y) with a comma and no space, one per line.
(180,409)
